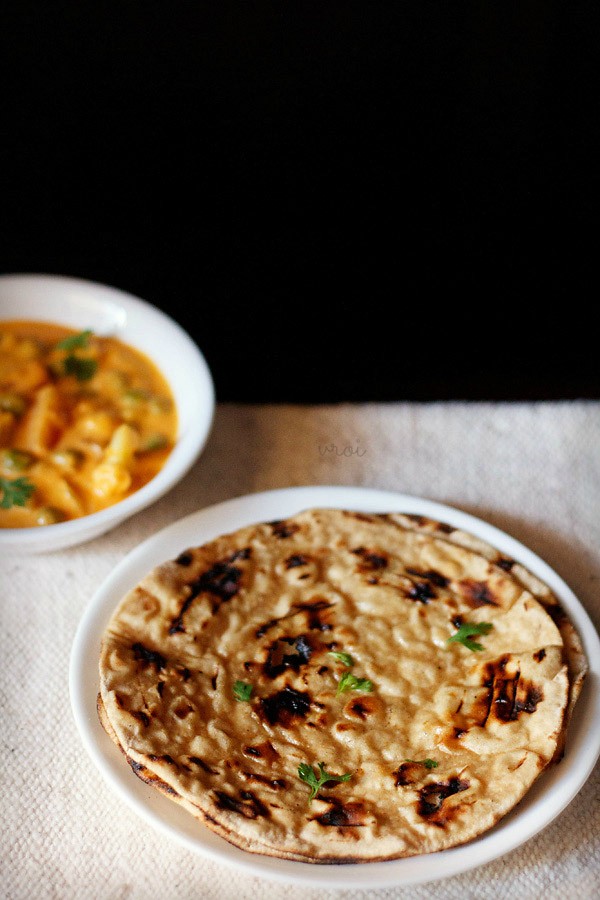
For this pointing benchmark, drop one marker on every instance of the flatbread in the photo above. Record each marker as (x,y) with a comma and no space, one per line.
(439,744)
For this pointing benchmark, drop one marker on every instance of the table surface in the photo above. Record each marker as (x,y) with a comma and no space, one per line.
(530,469)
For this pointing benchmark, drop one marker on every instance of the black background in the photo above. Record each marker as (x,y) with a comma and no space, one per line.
(340,201)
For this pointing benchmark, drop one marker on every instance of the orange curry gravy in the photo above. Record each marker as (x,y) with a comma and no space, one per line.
(84,422)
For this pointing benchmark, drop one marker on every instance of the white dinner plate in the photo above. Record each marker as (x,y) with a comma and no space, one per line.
(548,797)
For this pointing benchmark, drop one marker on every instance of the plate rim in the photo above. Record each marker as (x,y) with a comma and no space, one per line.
(515,829)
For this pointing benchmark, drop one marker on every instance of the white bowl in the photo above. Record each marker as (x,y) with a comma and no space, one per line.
(110,312)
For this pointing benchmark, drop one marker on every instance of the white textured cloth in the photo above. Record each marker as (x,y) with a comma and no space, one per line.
(531,469)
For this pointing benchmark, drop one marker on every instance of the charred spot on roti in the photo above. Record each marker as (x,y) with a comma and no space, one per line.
(418,520)
(362,707)
(244,553)
(141,716)
(431,575)
(539,655)
(351,814)
(505,698)
(248,804)
(504,563)
(285,707)
(136,766)
(477,593)
(529,701)
(183,710)
(371,560)
(509,694)
(407,773)
(279,657)
(163,786)
(276,784)
(432,797)
(160,688)
(202,765)
(184,559)
(360,517)
(260,632)
(251,751)
(177,623)
(149,777)
(422,592)
(314,608)
(445,528)
(168,759)
(148,657)
(494,667)
(296,560)
(222,581)
(283,529)
(264,751)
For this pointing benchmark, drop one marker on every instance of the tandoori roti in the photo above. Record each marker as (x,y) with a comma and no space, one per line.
(341,686)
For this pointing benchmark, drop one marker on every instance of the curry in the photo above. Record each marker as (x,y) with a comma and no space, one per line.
(84,422)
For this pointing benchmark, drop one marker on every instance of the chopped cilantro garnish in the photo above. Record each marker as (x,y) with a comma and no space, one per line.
(15,492)
(428,763)
(342,657)
(307,773)
(75,340)
(242,691)
(466,631)
(153,442)
(82,369)
(349,682)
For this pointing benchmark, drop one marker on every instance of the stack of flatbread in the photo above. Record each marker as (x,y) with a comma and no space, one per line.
(341,686)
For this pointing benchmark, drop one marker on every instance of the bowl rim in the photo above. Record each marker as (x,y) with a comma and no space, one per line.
(187,448)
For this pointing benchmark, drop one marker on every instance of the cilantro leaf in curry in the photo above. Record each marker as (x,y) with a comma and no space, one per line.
(83,369)
(15,492)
